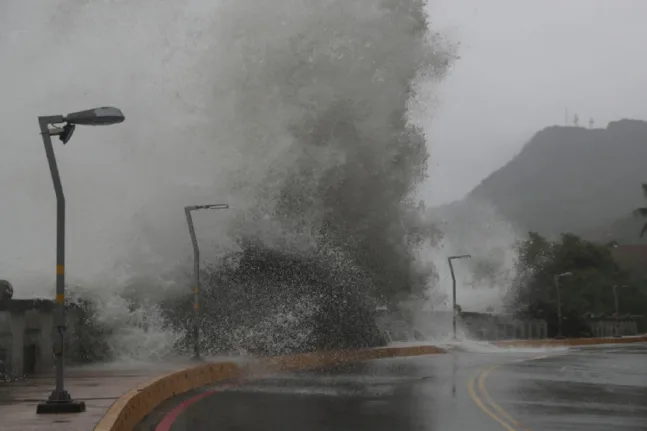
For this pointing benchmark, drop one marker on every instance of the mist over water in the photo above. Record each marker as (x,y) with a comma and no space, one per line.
(297,113)
(476,228)
(483,282)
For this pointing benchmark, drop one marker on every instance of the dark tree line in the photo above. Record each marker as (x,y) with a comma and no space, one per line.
(588,290)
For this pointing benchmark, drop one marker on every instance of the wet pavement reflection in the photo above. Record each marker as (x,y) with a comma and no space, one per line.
(600,388)
(592,389)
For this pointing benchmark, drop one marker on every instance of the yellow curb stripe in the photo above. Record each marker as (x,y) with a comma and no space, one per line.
(133,406)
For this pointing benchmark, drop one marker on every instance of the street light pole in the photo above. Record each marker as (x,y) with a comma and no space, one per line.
(559,302)
(59,394)
(451,269)
(60,400)
(196,272)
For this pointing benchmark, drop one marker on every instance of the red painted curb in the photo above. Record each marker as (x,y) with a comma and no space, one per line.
(167,422)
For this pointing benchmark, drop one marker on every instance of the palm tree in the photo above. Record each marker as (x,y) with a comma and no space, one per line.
(642,212)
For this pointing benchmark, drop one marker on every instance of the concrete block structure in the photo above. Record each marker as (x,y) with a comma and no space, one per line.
(26,331)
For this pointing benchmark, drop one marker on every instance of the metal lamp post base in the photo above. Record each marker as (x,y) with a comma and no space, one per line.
(60,402)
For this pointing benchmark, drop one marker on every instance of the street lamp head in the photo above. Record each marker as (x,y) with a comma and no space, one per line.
(103,116)
(207,207)
(462,256)
(216,207)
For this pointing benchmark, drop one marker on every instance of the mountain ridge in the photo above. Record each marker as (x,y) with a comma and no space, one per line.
(573,179)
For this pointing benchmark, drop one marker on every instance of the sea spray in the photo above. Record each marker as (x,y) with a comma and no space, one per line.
(293,112)
(323,88)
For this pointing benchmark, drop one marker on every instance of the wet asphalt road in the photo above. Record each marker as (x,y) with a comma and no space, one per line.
(596,388)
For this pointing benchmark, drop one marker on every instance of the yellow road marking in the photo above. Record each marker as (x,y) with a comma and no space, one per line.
(481,405)
(502,415)
(490,400)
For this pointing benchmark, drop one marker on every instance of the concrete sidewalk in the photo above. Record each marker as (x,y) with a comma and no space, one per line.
(98,386)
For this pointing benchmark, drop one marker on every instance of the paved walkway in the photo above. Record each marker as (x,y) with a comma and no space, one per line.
(98,386)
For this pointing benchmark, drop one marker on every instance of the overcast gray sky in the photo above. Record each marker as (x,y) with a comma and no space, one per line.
(522,63)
